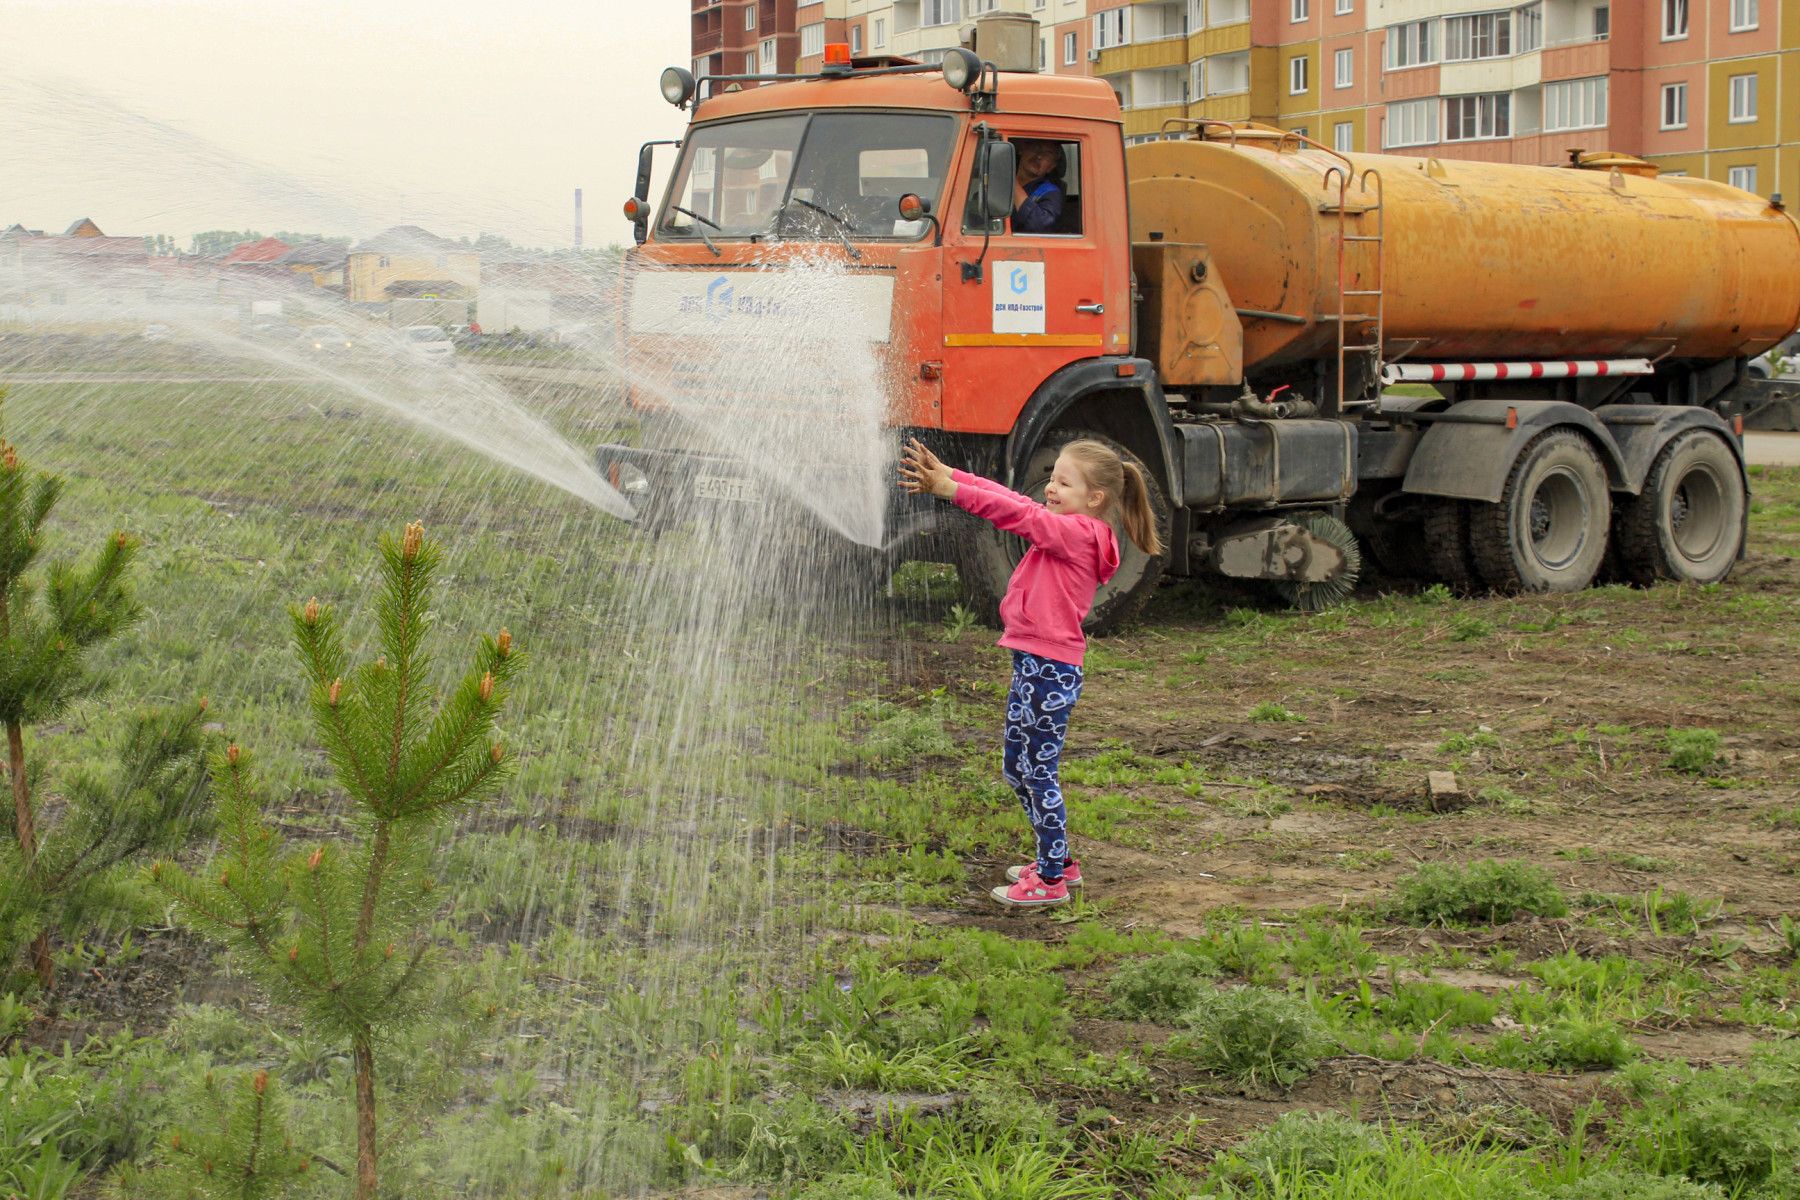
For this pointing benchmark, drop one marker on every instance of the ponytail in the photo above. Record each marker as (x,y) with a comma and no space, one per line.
(1124,485)
(1140,522)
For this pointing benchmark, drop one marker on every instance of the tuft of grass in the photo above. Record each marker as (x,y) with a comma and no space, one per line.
(1299,1145)
(1160,988)
(1626,1184)
(1485,892)
(1254,1035)
(1693,751)
(1467,627)
(1270,710)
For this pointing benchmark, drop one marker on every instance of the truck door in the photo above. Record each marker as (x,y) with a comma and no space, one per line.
(1049,291)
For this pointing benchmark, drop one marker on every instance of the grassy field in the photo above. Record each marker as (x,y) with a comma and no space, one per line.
(766,965)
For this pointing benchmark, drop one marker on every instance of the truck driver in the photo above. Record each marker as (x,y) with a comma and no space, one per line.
(1037,189)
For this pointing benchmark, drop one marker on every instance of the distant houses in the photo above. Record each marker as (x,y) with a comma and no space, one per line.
(404,274)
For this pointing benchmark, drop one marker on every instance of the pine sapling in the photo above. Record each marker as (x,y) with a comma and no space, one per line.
(340,930)
(237,1147)
(48,624)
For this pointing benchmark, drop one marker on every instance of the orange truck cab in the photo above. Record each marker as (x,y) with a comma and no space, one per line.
(1227,308)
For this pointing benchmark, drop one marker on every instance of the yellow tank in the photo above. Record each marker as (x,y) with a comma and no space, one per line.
(1482,260)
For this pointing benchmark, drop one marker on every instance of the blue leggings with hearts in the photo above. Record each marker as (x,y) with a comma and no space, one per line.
(1043,694)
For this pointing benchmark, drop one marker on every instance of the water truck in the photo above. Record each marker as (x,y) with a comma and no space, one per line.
(1236,308)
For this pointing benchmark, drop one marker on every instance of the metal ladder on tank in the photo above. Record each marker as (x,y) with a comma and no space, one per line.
(1371,326)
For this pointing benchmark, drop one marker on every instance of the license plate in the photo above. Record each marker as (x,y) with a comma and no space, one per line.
(722,487)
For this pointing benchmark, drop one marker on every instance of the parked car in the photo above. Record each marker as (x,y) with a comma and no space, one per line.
(428,343)
(326,339)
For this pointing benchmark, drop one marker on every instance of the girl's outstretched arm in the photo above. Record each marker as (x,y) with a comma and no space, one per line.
(1064,536)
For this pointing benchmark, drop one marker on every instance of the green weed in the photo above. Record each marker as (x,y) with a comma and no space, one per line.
(958,621)
(1299,1145)
(1270,710)
(1693,751)
(1253,1035)
(1160,988)
(1482,892)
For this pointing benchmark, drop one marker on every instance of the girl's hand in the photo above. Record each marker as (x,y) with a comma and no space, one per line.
(922,471)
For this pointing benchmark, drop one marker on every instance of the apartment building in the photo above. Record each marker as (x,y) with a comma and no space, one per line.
(1701,87)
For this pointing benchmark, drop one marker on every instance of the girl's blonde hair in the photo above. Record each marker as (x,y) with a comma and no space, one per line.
(1124,486)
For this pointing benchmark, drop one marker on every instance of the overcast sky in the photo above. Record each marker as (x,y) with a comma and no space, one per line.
(171,116)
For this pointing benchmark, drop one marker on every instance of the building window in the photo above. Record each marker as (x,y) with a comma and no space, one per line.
(750,63)
(1068,49)
(1675,19)
(1297,74)
(1475,118)
(880,32)
(856,41)
(1343,137)
(1344,68)
(1409,45)
(1575,104)
(1479,35)
(1674,106)
(750,15)
(1529,31)
(1037,5)
(939,12)
(1197,80)
(1743,15)
(1411,123)
(1742,177)
(1602,22)
(1743,99)
(1300,11)
(812,40)
(1043,54)
(1344,7)
(1226,12)
(768,56)
(1112,28)
(384,261)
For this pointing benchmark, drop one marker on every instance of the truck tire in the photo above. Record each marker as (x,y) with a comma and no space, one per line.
(1447,550)
(1399,549)
(1688,524)
(985,557)
(1548,531)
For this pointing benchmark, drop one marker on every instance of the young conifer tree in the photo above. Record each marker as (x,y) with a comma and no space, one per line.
(58,876)
(236,1147)
(340,930)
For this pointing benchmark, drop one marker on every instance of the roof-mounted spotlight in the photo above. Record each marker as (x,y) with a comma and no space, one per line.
(961,68)
(677,86)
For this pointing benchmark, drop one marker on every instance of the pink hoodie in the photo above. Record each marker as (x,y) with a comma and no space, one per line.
(1053,587)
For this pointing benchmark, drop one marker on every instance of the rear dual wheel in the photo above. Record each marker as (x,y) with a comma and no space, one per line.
(1549,530)
(1688,523)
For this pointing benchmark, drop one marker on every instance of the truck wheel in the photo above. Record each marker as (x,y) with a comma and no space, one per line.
(1447,546)
(985,557)
(1548,531)
(1688,525)
(1399,549)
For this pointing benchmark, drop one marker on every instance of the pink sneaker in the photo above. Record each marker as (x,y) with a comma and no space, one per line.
(1032,892)
(1071,873)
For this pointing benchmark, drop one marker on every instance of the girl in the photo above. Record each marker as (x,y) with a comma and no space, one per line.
(1073,551)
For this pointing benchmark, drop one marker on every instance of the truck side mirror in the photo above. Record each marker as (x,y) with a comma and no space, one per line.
(641,218)
(999,167)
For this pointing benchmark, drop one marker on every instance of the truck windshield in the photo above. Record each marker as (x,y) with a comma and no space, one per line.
(808,176)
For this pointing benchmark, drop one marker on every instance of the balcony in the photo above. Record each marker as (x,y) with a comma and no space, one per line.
(1574,60)
(709,42)
(1143,56)
(1150,118)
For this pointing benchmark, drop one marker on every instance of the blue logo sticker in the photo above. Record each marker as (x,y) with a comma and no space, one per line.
(1019,281)
(718,298)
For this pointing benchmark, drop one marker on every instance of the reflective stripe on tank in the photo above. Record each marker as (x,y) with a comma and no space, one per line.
(1470,371)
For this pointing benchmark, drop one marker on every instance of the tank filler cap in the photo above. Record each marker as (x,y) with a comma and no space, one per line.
(1612,160)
